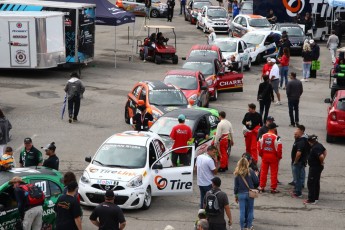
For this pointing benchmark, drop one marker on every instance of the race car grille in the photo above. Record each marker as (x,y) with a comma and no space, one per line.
(99,198)
(220,28)
(107,187)
(220,24)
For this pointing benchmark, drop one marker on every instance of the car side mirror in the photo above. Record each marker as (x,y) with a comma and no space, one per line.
(328,100)
(223,60)
(200,135)
(203,87)
(88,159)
(220,73)
(158,165)
(184,58)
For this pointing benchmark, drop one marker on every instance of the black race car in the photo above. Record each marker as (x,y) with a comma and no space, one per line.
(295,33)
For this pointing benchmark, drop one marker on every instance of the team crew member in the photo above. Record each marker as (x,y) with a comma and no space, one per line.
(140,121)
(74,90)
(109,215)
(223,134)
(266,69)
(252,122)
(181,134)
(270,150)
(206,169)
(274,77)
(264,128)
(316,160)
(52,161)
(30,156)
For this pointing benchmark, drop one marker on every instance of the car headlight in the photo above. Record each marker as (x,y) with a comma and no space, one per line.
(135,182)
(193,97)
(85,178)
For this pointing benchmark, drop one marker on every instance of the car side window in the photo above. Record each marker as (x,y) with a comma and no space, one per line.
(7,199)
(243,22)
(54,188)
(140,1)
(341,104)
(240,48)
(136,91)
(160,148)
(244,45)
(213,121)
(143,94)
(152,155)
(237,20)
(43,184)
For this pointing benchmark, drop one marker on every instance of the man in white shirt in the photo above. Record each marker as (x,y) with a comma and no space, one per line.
(206,169)
(224,133)
(332,45)
(274,79)
(211,37)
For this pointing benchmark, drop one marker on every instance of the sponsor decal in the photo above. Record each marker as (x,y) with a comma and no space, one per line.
(231,83)
(49,211)
(107,171)
(19,36)
(19,25)
(19,31)
(162,183)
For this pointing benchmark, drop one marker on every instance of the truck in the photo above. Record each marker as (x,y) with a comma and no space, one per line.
(32,40)
(80,26)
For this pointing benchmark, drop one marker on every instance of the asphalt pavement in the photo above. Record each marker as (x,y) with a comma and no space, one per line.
(32,101)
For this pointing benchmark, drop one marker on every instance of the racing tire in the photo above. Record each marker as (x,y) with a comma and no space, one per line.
(141,54)
(259,59)
(215,96)
(175,59)
(127,118)
(158,59)
(323,37)
(247,67)
(197,25)
(147,199)
(329,138)
(154,13)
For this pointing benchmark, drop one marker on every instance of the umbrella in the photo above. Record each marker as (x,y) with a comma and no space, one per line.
(63,107)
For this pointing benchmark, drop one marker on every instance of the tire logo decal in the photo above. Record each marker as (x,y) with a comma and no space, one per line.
(161,182)
(288,5)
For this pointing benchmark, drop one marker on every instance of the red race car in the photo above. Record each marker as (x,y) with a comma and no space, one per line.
(206,50)
(336,116)
(216,78)
(192,83)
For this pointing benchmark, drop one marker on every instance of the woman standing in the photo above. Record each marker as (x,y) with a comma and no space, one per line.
(307,58)
(284,67)
(265,97)
(244,173)
(5,127)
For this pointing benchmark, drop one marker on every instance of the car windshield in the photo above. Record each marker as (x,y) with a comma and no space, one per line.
(259,22)
(155,1)
(205,67)
(217,13)
(164,125)
(254,39)
(293,31)
(208,53)
(226,46)
(167,97)
(120,155)
(199,5)
(182,81)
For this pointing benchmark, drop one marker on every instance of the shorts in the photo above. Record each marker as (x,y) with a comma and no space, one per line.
(184,158)
(275,85)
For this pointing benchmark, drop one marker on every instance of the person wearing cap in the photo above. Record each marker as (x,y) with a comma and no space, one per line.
(7,160)
(294,91)
(201,217)
(30,156)
(217,222)
(265,97)
(315,54)
(181,134)
(307,58)
(74,90)
(274,78)
(252,122)
(211,37)
(266,69)
(270,150)
(202,225)
(5,127)
(52,161)
(253,166)
(140,121)
(67,209)
(316,161)
(264,128)
(108,215)
(31,216)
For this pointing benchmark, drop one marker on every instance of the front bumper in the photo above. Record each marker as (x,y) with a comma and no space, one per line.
(220,28)
(336,129)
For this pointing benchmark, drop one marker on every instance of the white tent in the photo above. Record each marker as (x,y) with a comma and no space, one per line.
(335,3)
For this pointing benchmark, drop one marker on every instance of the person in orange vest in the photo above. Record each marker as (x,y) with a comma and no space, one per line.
(270,150)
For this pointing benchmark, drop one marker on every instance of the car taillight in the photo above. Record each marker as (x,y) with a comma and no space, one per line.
(333,116)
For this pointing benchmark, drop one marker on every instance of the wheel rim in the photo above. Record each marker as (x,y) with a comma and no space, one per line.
(148,197)
(154,14)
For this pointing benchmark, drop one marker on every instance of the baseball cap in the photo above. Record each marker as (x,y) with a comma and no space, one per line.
(181,117)
(201,211)
(27,140)
(247,156)
(312,137)
(50,146)
(272,126)
(109,194)
(273,60)
(311,41)
(268,59)
(216,181)
(270,118)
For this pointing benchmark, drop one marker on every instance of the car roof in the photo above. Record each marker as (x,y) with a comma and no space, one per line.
(182,72)
(25,172)
(201,0)
(201,59)
(227,39)
(215,7)
(131,138)
(158,85)
(190,113)
(287,24)
(264,32)
(341,94)
(204,47)
(253,16)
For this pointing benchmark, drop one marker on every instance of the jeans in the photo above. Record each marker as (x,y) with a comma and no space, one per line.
(246,210)
(293,106)
(297,171)
(314,182)
(284,70)
(73,106)
(264,105)
(147,10)
(306,70)
(182,8)
(203,191)
(33,218)
(302,175)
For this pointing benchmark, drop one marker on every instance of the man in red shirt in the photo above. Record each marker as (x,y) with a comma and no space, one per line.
(181,134)
(266,69)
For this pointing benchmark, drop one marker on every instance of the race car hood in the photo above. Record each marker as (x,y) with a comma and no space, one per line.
(106,173)
(296,39)
(164,109)
(219,19)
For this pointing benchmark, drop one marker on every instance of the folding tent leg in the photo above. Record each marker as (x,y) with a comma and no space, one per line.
(115,47)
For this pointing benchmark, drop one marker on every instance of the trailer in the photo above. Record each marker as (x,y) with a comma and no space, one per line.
(80,27)
(32,40)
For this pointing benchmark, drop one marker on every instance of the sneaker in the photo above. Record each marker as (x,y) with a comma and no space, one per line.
(309,202)
(75,119)
(316,201)
(70,120)
(294,195)
(303,79)
(292,183)
(292,125)
(274,191)
(297,123)
(144,60)
(278,103)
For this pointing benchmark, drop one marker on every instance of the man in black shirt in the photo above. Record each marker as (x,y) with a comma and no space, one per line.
(52,161)
(252,122)
(109,215)
(140,121)
(315,54)
(67,209)
(264,128)
(316,163)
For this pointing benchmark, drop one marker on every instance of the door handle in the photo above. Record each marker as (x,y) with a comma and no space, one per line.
(186,173)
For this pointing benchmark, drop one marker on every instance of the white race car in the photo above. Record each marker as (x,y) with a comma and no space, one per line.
(235,47)
(215,17)
(135,166)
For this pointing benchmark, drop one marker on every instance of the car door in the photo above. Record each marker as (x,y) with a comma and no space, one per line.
(229,80)
(270,46)
(243,54)
(204,95)
(171,180)
(133,98)
(236,28)
(202,126)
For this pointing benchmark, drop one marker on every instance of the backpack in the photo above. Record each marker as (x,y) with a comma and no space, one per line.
(212,204)
(75,89)
(34,194)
